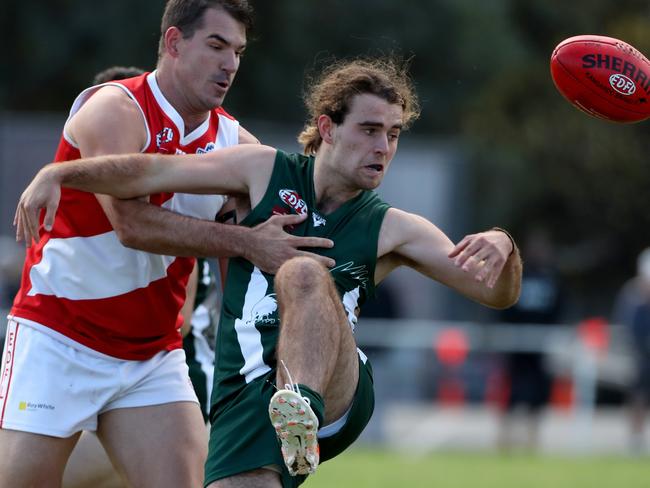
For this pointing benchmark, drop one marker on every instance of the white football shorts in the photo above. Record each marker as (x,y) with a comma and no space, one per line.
(52,385)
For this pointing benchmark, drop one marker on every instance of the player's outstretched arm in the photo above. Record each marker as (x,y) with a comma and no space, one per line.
(266,245)
(485,267)
(233,170)
(148,227)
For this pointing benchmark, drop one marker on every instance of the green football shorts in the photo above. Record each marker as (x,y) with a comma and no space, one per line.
(243,439)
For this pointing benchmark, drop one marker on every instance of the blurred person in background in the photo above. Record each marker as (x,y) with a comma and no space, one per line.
(632,309)
(102,288)
(527,380)
(11,259)
(115,73)
(294,328)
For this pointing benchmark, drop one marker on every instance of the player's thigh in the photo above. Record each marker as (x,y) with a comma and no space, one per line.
(90,467)
(28,459)
(340,391)
(258,478)
(158,446)
(336,437)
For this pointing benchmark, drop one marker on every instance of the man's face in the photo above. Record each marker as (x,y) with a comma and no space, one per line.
(365,143)
(208,61)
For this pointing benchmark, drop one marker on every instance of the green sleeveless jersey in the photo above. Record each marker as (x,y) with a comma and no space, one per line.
(248,327)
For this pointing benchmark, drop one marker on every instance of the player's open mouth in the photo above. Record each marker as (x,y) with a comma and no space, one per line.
(376,167)
(221,83)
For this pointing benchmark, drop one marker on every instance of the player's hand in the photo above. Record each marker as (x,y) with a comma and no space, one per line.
(270,245)
(43,192)
(484,255)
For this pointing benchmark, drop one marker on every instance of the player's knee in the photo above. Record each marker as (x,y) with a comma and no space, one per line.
(301,274)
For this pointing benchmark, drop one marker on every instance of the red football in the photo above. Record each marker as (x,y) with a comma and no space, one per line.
(604,77)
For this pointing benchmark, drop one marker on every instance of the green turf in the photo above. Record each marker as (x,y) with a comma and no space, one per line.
(360,468)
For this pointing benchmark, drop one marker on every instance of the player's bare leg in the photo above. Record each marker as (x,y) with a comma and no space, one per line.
(316,351)
(316,342)
(637,417)
(89,466)
(36,460)
(156,446)
(259,478)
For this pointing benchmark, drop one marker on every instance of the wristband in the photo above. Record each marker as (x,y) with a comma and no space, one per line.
(512,241)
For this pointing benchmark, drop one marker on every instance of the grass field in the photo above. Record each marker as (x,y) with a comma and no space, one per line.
(360,468)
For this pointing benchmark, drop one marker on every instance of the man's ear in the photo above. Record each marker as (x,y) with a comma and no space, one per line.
(326,128)
(173,36)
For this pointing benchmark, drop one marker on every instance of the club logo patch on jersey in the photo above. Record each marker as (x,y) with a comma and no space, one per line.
(264,312)
(356,274)
(293,199)
(318,220)
(354,278)
(164,136)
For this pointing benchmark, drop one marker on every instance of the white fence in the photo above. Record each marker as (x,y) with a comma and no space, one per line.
(404,354)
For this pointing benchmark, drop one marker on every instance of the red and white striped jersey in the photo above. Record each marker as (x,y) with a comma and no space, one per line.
(80,281)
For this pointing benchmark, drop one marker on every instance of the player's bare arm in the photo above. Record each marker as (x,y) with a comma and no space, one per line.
(244,169)
(113,114)
(239,170)
(484,267)
(138,224)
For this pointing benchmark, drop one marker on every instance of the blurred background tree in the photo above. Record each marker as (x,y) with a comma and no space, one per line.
(481,68)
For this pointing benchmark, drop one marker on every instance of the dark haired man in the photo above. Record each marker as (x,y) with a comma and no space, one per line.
(292,331)
(115,73)
(93,341)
